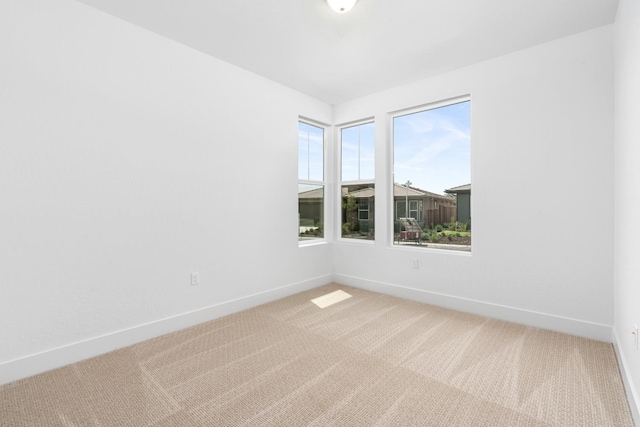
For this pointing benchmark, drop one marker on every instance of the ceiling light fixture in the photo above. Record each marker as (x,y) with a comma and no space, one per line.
(341,6)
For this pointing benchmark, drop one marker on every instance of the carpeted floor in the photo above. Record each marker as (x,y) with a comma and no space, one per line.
(370,360)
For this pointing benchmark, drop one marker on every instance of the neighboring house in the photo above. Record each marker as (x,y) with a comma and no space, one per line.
(365,197)
(310,208)
(424,206)
(463,198)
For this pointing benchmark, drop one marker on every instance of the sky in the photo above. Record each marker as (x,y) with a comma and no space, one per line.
(310,152)
(432,148)
(358,153)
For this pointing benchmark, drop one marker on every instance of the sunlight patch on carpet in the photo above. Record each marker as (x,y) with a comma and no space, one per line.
(330,298)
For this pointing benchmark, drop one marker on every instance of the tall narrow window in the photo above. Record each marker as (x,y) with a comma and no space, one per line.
(310,181)
(432,176)
(358,174)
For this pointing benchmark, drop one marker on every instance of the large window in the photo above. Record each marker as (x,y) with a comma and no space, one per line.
(310,181)
(432,176)
(357,174)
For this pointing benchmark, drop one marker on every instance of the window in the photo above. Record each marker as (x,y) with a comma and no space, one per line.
(432,176)
(363,210)
(357,174)
(310,181)
(415,209)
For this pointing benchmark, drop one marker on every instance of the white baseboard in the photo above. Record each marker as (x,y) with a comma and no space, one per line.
(54,358)
(531,318)
(632,393)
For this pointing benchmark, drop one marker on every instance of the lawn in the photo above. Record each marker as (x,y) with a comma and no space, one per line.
(455,233)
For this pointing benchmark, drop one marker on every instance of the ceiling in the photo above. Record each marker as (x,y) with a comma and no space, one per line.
(379,44)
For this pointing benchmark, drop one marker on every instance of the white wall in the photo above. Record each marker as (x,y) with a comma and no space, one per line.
(542,199)
(126,162)
(627,192)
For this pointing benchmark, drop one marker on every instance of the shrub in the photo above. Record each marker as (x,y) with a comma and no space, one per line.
(438,228)
(464,226)
(450,237)
(346,229)
(434,238)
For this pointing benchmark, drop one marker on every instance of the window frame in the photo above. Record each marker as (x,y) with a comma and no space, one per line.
(342,183)
(313,182)
(392,207)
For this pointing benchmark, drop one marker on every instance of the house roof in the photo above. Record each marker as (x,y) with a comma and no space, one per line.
(399,190)
(459,189)
(317,193)
(364,193)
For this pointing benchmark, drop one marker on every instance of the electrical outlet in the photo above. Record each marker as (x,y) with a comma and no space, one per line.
(195,278)
(415,263)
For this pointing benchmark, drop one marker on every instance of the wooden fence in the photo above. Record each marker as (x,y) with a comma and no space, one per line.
(441,215)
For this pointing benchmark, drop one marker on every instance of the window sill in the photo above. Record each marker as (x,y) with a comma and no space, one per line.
(356,241)
(308,243)
(431,250)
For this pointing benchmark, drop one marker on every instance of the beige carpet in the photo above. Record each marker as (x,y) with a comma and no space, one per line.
(370,360)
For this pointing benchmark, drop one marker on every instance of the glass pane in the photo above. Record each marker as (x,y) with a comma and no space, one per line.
(350,156)
(358,219)
(358,153)
(367,152)
(310,211)
(310,152)
(303,156)
(316,155)
(432,170)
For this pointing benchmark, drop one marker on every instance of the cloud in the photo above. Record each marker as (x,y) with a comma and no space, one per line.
(432,147)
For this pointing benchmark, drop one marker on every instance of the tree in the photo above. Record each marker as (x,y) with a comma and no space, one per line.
(350,205)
